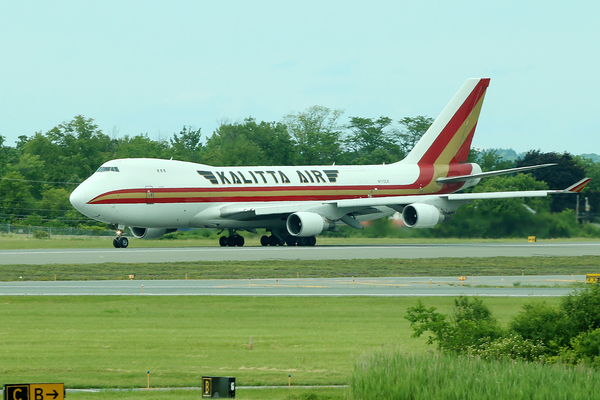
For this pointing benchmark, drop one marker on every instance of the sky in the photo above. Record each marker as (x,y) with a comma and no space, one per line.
(151,67)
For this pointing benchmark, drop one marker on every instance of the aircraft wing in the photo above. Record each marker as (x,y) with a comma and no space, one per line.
(462,178)
(341,209)
(462,197)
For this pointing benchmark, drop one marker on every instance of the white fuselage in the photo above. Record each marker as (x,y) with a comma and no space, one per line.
(156,193)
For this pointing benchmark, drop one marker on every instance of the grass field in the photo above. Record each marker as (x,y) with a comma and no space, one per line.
(491,266)
(398,376)
(292,393)
(113,341)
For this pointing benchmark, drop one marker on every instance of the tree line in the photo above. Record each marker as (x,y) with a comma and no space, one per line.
(39,173)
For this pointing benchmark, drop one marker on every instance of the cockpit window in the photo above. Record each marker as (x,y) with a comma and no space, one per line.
(104,169)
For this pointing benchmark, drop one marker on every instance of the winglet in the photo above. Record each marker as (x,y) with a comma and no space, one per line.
(578,187)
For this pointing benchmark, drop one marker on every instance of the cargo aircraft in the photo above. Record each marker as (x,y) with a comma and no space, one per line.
(296,203)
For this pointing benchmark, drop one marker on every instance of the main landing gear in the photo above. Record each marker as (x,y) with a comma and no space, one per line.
(236,240)
(289,240)
(232,240)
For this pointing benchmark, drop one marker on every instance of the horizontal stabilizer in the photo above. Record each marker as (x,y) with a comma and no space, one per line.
(578,187)
(463,178)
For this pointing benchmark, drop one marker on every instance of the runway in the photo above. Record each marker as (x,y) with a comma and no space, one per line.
(191,254)
(497,286)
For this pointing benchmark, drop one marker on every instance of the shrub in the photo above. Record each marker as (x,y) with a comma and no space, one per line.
(581,309)
(512,347)
(540,322)
(471,323)
(41,235)
(585,349)
(569,334)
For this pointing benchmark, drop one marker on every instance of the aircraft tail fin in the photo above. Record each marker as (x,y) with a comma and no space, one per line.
(448,139)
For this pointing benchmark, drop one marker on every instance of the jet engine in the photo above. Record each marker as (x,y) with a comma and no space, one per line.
(150,233)
(420,215)
(305,224)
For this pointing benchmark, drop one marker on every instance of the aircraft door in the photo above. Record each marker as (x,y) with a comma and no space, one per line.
(149,195)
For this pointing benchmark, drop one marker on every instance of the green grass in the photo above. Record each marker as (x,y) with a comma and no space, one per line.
(492,266)
(292,393)
(398,376)
(113,341)
(16,242)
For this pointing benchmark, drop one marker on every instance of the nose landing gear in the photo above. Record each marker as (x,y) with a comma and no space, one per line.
(120,242)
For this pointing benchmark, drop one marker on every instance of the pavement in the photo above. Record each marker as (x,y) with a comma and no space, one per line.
(191,254)
(503,286)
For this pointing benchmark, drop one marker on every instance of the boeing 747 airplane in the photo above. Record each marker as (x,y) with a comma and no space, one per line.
(295,204)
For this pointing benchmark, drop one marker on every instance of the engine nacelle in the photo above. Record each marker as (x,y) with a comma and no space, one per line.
(420,215)
(305,224)
(150,233)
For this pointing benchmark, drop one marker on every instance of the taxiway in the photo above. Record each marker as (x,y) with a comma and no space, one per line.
(503,286)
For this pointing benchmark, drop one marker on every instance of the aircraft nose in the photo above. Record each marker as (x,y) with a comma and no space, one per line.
(78,198)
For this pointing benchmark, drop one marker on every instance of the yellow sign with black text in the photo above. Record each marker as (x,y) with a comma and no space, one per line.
(35,391)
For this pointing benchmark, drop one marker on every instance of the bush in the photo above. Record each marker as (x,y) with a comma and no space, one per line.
(569,334)
(472,323)
(539,322)
(41,235)
(582,309)
(585,349)
(512,347)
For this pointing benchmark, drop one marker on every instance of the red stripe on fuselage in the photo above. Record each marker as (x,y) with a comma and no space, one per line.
(308,193)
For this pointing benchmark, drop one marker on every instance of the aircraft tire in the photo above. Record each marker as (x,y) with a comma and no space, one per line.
(123,242)
(302,241)
(223,241)
(264,240)
(290,240)
(116,243)
(231,241)
(239,241)
(311,241)
(274,241)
